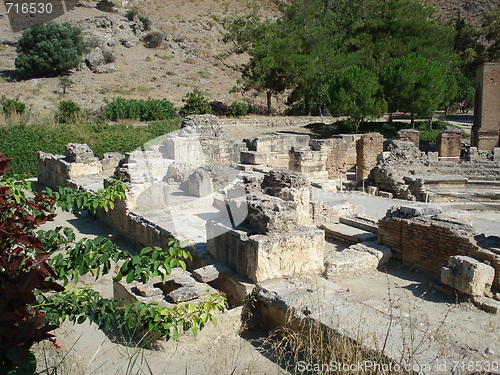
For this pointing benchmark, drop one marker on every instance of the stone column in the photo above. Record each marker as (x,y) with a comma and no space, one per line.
(368,147)
(449,144)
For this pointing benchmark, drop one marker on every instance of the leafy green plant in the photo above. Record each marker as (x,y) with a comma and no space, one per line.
(71,199)
(146,22)
(11,106)
(68,112)
(131,14)
(195,103)
(238,109)
(49,47)
(36,267)
(145,110)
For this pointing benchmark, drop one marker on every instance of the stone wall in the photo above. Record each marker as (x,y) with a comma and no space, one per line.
(426,239)
(311,163)
(368,148)
(486,130)
(337,160)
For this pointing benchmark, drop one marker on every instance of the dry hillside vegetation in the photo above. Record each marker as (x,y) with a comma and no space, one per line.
(187,59)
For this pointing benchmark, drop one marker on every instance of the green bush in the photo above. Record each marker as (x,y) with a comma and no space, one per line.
(68,112)
(153,39)
(11,106)
(144,110)
(22,142)
(238,109)
(131,14)
(195,104)
(49,47)
(146,22)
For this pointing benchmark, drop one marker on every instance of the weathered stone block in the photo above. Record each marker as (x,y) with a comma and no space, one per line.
(468,275)
(270,214)
(496,154)
(275,255)
(200,183)
(211,272)
(253,157)
(79,153)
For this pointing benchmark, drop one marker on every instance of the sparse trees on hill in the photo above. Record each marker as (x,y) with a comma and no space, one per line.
(49,47)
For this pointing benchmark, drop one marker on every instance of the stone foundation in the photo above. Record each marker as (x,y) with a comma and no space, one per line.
(427,240)
(261,257)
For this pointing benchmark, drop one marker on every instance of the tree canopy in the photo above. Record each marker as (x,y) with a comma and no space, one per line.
(416,85)
(49,47)
(356,93)
(312,39)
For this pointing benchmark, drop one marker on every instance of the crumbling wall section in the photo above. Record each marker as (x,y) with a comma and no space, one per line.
(368,148)
(426,239)
(337,159)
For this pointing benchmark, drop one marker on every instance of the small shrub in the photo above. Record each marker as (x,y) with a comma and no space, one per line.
(257,109)
(68,112)
(195,104)
(153,39)
(11,106)
(146,22)
(131,14)
(238,109)
(219,108)
(108,55)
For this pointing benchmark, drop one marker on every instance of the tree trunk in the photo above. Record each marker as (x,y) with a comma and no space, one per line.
(412,121)
(307,104)
(430,122)
(269,96)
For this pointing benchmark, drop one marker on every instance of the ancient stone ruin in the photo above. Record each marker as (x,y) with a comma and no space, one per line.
(262,214)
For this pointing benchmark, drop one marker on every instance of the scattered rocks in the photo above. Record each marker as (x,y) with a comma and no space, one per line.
(79,153)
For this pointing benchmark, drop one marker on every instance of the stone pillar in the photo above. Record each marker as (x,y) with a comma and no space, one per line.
(368,148)
(449,144)
(409,135)
(486,130)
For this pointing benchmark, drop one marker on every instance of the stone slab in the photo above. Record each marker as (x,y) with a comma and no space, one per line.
(347,233)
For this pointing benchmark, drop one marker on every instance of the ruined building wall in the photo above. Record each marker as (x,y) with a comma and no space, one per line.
(368,148)
(449,144)
(486,130)
(426,242)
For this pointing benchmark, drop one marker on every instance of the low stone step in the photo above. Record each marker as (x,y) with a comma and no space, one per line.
(357,259)
(360,223)
(347,233)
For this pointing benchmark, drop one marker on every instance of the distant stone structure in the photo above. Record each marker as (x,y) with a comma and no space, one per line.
(486,130)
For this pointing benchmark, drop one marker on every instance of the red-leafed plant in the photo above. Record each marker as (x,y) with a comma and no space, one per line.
(23,269)
(36,267)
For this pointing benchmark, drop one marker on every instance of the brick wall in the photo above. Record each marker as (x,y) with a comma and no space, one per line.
(486,129)
(426,242)
(409,135)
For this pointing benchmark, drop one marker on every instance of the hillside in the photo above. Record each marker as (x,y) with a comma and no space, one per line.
(187,59)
